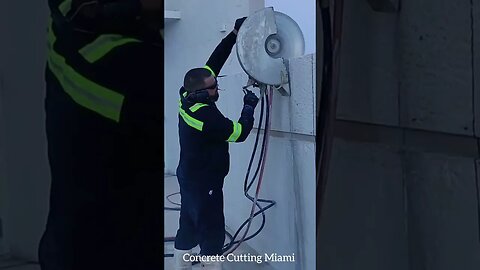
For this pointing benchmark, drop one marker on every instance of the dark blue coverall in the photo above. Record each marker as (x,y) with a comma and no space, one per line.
(104,126)
(204,162)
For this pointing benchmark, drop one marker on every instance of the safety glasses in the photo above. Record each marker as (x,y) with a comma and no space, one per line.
(215,86)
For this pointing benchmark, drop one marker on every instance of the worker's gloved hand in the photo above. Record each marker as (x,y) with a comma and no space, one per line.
(238,23)
(250,99)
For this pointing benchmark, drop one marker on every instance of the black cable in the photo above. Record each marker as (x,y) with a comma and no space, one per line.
(255,145)
(247,188)
(171,208)
(170,201)
(267,115)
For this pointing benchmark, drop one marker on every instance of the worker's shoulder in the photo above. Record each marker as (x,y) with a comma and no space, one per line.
(206,112)
(139,44)
(134,56)
(127,50)
(138,49)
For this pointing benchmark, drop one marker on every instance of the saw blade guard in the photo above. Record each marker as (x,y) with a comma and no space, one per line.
(265,42)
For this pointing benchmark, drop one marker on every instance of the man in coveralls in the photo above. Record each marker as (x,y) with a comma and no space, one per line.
(104,124)
(204,159)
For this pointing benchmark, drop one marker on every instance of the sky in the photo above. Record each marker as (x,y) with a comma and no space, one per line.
(303,14)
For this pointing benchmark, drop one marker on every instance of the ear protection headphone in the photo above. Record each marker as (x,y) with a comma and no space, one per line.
(201,96)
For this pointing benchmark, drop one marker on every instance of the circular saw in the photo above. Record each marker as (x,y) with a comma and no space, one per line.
(265,42)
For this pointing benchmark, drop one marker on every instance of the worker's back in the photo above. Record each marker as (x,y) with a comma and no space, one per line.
(103,127)
(203,158)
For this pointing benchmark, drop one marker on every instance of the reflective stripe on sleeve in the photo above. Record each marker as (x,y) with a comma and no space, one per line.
(237,130)
(84,92)
(103,45)
(197,106)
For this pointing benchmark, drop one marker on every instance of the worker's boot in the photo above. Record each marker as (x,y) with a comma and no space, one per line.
(180,263)
(212,266)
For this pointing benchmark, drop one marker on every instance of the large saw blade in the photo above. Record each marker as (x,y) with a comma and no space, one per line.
(266,39)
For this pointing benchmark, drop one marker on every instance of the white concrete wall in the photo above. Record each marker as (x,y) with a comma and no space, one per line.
(25,181)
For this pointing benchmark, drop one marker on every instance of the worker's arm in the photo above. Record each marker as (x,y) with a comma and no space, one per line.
(141,118)
(218,127)
(220,55)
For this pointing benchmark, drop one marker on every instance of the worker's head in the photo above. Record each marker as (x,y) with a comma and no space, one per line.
(201,83)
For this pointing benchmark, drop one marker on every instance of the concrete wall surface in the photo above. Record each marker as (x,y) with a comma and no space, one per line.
(402,192)
(398,208)
(25,174)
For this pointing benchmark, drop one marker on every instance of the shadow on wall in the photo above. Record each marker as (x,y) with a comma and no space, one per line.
(22,123)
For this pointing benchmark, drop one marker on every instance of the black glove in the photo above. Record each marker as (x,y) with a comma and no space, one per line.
(250,99)
(238,23)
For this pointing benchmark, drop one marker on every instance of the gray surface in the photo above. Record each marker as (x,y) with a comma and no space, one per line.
(416,63)
(385,5)
(369,74)
(363,222)
(23,55)
(435,65)
(3,173)
(476,63)
(367,222)
(9,263)
(419,140)
(421,62)
(442,205)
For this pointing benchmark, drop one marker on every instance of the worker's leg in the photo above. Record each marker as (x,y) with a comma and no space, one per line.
(54,252)
(211,221)
(186,237)
(201,217)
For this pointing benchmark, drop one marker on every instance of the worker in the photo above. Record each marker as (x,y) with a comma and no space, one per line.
(104,125)
(204,159)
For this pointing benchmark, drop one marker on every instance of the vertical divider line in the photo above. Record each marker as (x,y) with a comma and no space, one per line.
(472,48)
